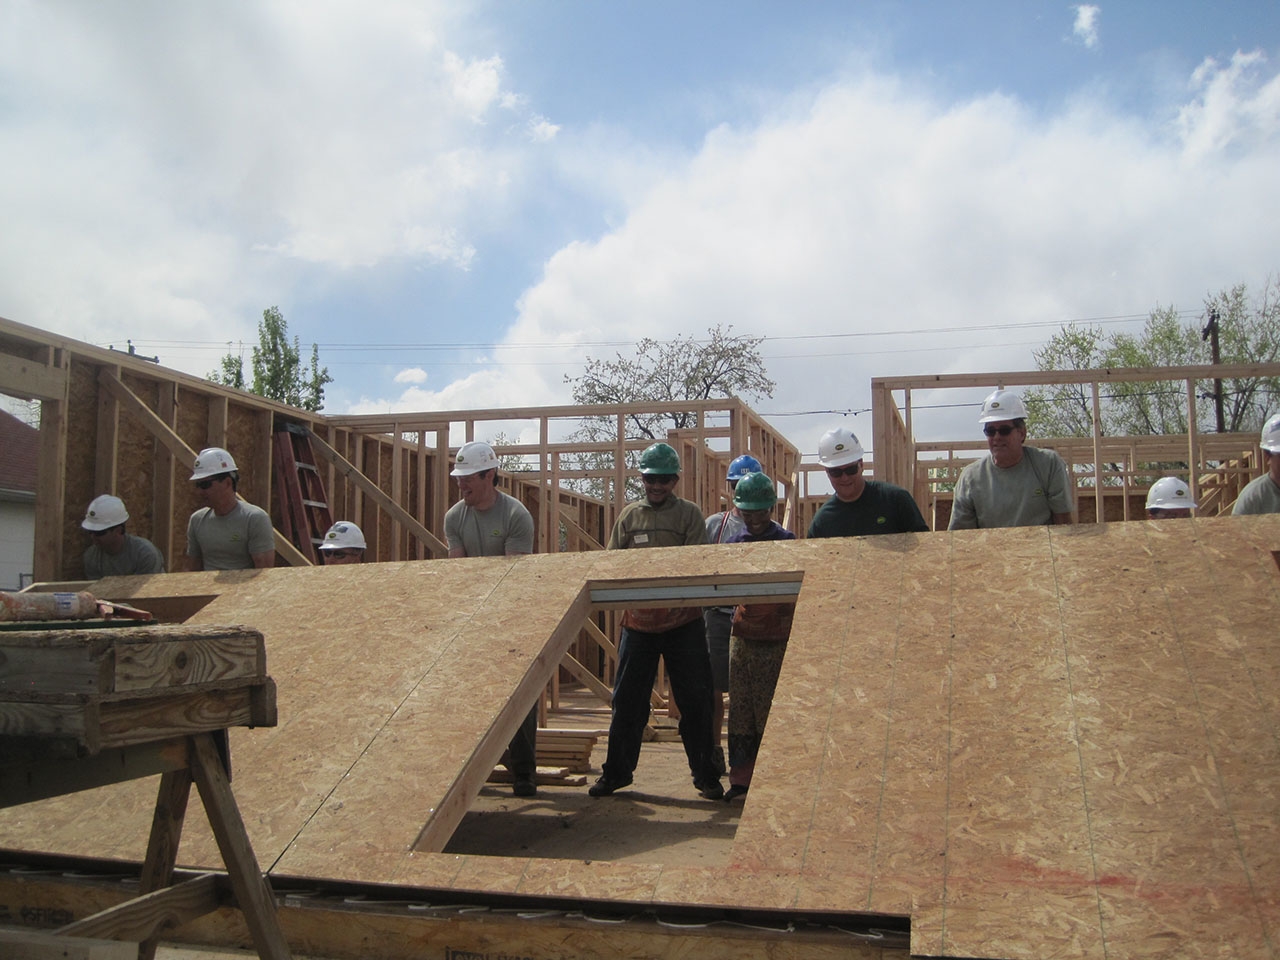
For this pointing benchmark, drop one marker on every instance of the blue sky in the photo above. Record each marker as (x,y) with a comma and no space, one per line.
(459,202)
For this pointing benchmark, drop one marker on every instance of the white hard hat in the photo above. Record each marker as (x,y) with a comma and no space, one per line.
(343,535)
(104,513)
(1170,493)
(1271,435)
(1002,405)
(838,447)
(212,461)
(474,457)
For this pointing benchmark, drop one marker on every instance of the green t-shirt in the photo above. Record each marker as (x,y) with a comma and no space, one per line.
(882,508)
(1261,495)
(506,527)
(138,556)
(1024,495)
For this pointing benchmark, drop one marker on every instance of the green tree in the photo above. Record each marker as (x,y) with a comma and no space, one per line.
(722,365)
(278,372)
(1249,332)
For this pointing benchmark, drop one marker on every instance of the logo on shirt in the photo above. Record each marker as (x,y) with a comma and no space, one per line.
(880,520)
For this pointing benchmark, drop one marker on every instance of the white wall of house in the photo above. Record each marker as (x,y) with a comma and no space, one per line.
(17,541)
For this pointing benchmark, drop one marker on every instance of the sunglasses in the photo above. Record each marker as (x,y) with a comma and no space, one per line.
(205,484)
(849,471)
(101,533)
(659,478)
(1003,431)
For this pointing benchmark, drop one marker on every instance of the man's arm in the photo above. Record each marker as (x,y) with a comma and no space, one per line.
(519,539)
(264,559)
(1063,518)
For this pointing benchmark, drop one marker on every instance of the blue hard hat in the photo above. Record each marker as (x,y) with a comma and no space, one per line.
(743,466)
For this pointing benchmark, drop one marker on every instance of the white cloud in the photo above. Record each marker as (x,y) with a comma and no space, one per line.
(174,167)
(411,375)
(1085,27)
(879,209)
(1234,106)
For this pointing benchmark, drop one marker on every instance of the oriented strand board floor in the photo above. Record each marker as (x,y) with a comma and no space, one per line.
(1034,742)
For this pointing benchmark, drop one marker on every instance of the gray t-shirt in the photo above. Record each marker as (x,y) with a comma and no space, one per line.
(723,527)
(1261,495)
(1024,495)
(229,543)
(506,527)
(138,556)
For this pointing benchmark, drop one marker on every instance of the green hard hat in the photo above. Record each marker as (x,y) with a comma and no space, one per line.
(755,492)
(659,458)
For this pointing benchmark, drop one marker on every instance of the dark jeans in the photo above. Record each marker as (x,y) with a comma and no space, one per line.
(522,751)
(689,671)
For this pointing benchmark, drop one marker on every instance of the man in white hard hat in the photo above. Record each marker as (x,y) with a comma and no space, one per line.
(1262,495)
(1017,485)
(859,507)
(343,543)
(226,533)
(114,552)
(488,523)
(1169,498)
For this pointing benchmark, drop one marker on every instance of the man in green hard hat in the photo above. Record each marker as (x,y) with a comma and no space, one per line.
(675,634)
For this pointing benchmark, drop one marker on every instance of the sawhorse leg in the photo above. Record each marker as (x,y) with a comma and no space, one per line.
(253,892)
(162,848)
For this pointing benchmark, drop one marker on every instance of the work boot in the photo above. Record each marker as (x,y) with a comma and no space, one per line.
(710,789)
(606,785)
(524,787)
(717,761)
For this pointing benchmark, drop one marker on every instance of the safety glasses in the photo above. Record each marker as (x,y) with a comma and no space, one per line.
(659,478)
(1004,431)
(849,471)
(205,484)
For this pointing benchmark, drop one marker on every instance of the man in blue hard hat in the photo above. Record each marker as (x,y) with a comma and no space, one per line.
(721,528)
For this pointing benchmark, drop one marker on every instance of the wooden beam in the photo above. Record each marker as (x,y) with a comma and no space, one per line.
(144,917)
(586,678)
(43,945)
(579,532)
(1105,375)
(51,471)
(106,442)
(31,379)
(1098,506)
(372,490)
(253,893)
(165,473)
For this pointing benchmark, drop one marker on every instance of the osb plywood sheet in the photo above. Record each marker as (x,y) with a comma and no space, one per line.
(1037,742)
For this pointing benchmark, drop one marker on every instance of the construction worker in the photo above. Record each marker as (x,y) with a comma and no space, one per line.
(759,640)
(1017,486)
(721,528)
(488,523)
(676,634)
(343,543)
(859,507)
(1169,497)
(227,533)
(115,552)
(1262,494)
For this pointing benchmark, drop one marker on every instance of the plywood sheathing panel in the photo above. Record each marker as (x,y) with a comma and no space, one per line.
(1037,742)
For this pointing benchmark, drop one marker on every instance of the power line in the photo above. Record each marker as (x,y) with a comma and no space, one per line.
(532,344)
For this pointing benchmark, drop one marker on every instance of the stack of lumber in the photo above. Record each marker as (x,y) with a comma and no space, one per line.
(561,755)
